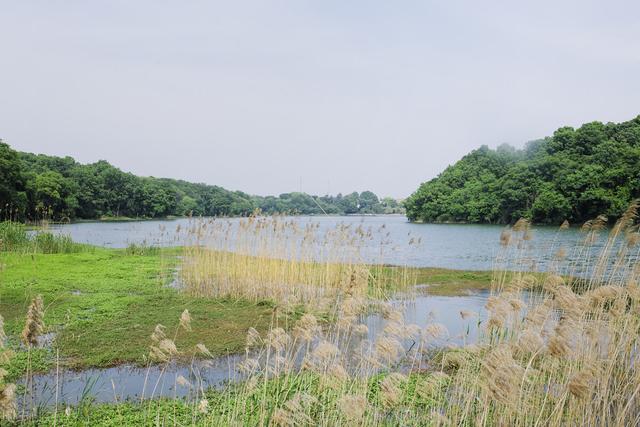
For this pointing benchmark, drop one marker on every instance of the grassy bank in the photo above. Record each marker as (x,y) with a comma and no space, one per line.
(104,304)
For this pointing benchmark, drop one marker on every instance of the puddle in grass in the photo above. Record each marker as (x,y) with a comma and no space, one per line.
(131,383)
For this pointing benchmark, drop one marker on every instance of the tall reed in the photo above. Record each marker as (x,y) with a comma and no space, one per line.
(278,259)
(556,349)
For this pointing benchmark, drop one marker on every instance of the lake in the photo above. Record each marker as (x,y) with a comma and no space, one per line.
(455,246)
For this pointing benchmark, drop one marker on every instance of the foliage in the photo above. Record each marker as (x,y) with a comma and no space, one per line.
(574,175)
(34,187)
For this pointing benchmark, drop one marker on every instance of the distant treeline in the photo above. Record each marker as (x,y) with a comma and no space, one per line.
(575,175)
(38,186)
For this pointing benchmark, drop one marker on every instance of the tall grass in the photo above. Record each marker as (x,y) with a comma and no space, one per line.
(14,237)
(273,258)
(554,351)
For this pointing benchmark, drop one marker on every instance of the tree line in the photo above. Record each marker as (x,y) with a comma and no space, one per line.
(574,175)
(34,186)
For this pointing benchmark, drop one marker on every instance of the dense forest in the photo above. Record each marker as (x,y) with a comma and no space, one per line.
(38,186)
(574,175)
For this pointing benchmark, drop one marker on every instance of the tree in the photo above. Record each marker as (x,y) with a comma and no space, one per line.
(576,174)
(12,196)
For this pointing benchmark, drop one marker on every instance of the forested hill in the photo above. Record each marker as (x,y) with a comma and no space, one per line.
(575,175)
(39,186)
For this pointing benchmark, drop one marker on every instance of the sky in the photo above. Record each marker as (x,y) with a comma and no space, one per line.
(321,96)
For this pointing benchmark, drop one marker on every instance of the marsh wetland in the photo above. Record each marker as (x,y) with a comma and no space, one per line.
(304,320)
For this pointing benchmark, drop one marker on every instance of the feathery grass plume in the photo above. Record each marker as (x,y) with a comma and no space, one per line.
(502,375)
(394,314)
(435,331)
(277,339)
(253,338)
(249,365)
(571,304)
(551,282)
(516,304)
(335,378)
(162,348)
(168,347)
(34,327)
(580,383)
(5,353)
(325,353)
(387,349)
(202,349)
(8,406)
(505,237)
(185,320)
(603,295)
(522,224)
(158,333)
(633,239)
(391,389)
(499,310)
(157,355)
(560,344)
(452,361)
(294,411)
(530,341)
(361,329)
(203,406)
(306,328)
(352,407)
(627,219)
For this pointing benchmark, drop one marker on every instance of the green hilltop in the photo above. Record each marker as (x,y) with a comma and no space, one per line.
(575,175)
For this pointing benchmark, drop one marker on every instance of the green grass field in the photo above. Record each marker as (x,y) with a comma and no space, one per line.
(104,304)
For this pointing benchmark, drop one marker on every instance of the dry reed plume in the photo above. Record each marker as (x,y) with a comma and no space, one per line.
(34,326)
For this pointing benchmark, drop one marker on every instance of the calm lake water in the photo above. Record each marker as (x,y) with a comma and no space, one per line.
(456,246)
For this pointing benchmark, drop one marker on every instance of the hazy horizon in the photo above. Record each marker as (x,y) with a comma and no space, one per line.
(323,97)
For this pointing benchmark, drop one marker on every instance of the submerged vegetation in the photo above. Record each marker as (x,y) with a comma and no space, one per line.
(574,175)
(33,187)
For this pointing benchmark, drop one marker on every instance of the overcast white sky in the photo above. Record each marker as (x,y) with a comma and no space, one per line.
(328,96)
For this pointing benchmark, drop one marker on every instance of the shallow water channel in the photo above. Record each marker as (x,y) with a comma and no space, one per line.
(128,382)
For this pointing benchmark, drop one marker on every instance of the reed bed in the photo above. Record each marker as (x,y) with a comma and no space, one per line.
(272,258)
(555,350)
